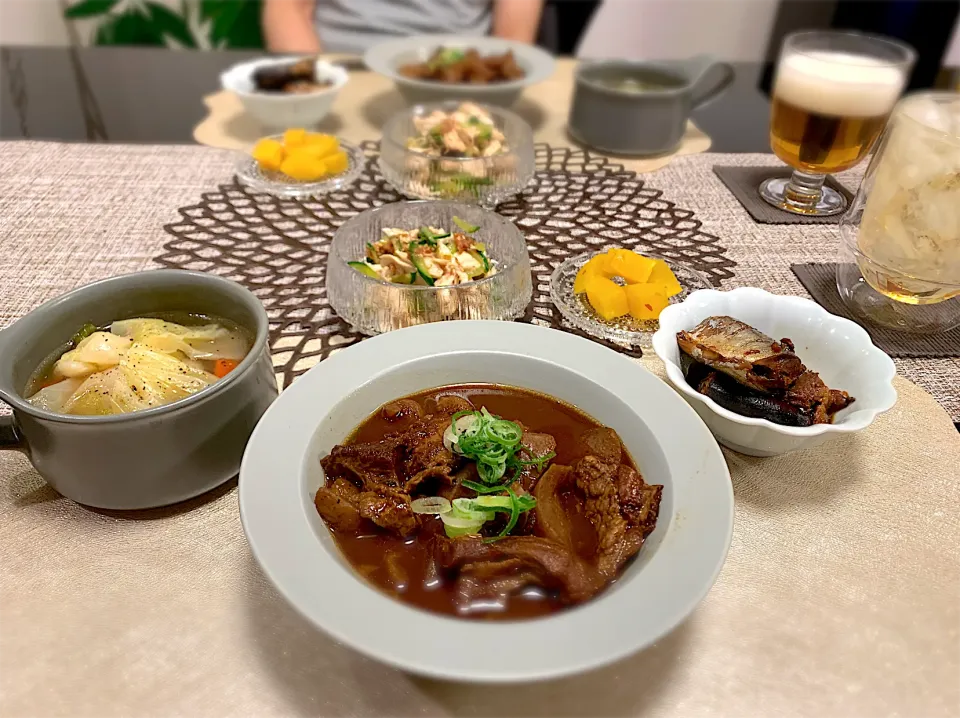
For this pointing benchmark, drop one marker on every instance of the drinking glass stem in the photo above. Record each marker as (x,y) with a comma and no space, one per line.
(804,189)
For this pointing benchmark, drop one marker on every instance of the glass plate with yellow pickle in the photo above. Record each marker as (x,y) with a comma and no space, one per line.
(299,164)
(617,294)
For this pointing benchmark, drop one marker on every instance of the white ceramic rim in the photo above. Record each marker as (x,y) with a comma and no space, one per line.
(381,58)
(642,609)
(667,334)
(246,69)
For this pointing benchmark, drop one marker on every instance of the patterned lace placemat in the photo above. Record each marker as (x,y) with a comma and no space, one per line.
(278,247)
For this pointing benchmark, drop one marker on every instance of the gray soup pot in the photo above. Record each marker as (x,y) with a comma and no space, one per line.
(146,458)
(642,123)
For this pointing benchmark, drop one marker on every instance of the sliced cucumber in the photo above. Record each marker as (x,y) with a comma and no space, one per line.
(364,268)
(372,253)
(465,226)
(418,263)
(404,278)
(481,257)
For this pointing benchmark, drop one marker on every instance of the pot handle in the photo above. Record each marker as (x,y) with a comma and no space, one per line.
(715,77)
(9,437)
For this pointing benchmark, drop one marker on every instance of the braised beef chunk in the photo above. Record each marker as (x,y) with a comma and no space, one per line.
(555,566)
(597,480)
(603,443)
(451,403)
(582,513)
(342,513)
(401,409)
(368,464)
(389,511)
(534,446)
(639,502)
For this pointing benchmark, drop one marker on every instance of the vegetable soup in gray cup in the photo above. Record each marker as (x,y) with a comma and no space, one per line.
(137,391)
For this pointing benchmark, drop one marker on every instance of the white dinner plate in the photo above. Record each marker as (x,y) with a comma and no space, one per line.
(669,443)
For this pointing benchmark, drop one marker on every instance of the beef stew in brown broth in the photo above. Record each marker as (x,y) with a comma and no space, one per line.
(486,501)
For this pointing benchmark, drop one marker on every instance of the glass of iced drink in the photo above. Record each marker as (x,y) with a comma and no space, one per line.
(832,94)
(900,248)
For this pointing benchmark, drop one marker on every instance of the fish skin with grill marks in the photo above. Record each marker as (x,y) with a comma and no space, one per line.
(740,351)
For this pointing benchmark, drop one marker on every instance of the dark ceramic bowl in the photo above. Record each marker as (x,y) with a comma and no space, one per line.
(147,458)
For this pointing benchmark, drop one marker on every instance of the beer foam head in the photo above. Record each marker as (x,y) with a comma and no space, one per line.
(838,84)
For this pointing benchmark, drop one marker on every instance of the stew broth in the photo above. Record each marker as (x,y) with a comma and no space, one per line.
(381,557)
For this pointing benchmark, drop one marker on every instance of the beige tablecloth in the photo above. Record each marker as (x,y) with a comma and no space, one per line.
(840,596)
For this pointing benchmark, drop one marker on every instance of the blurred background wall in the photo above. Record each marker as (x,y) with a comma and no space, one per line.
(735,30)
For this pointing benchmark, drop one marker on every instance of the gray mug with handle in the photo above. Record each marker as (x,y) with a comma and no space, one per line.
(640,108)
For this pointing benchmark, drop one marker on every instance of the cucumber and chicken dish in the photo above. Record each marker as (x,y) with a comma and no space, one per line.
(427,256)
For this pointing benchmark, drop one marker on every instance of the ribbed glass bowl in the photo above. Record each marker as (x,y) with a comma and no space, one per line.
(373,306)
(482,180)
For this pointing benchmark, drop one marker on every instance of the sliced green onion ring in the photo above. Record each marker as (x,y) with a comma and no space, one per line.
(436,505)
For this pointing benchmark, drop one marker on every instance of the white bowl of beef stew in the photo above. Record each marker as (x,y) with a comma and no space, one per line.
(837,349)
(542,611)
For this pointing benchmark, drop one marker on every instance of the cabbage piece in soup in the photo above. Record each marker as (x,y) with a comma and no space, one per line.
(137,364)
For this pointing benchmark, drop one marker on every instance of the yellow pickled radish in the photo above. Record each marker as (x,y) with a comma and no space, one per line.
(303,167)
(337,163)
(294,137)
(646,301)
(633,267)
(321,145)
(269,154)
(606,297)
(594,266)
(664,278)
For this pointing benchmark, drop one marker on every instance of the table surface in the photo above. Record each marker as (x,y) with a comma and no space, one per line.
(839,596)
(154,95)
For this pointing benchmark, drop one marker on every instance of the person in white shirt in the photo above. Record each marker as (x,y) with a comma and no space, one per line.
(352,26)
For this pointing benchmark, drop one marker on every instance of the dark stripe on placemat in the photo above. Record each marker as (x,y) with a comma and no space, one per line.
(820,280)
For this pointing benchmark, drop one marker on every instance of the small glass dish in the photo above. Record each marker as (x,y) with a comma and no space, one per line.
(373,305)
(280,185)
(481,180)
(625,330)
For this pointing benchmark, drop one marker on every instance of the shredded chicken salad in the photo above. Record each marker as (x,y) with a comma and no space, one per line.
(468,131)
(429,256)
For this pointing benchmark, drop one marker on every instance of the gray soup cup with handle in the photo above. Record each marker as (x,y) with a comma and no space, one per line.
(608,115)
(148,458)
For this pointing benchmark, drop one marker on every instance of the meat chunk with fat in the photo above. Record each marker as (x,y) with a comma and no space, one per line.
(450,404)
(603,443)
(533,446)
(401,409)
(493,582)
(557,567)
(423,454)
(338,504)
(552,519)
(597,480)
(639,501)
(370,465)
(389,511)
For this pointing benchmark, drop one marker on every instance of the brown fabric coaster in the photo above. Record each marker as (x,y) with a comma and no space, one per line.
(821,281)
(744,182)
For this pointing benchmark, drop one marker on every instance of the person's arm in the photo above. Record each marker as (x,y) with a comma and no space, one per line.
(288,26)
(517,19)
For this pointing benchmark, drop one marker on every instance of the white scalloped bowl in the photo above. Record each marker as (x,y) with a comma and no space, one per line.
(840,350)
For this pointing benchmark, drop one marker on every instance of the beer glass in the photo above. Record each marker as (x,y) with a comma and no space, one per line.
(832,94)
(900,240)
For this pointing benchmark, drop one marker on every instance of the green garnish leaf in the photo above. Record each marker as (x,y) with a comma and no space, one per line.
(84,331)
(514,517)
(482,488)
(465,226)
